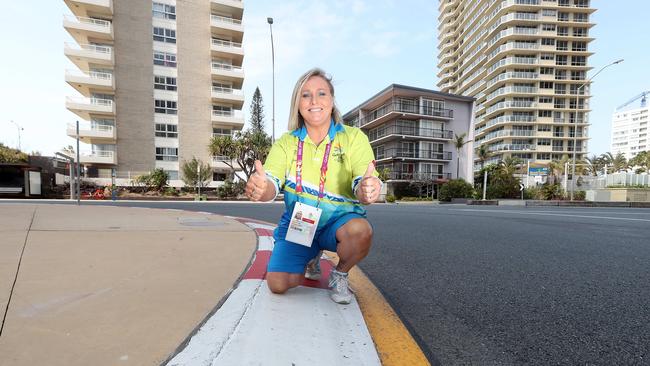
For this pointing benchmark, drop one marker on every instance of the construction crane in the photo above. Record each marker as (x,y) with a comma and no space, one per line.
(643,100)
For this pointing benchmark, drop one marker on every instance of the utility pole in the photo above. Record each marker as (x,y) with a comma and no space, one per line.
(78,185)
(270,21)
(19,129)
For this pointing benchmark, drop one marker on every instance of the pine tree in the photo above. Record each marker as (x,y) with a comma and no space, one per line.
(257,112)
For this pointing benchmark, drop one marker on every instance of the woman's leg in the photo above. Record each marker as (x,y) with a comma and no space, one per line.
(280,282)
(355,238)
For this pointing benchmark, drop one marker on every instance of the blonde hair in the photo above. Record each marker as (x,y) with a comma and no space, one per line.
(295,118)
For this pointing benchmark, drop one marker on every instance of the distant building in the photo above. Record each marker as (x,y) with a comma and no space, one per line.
(411,131)
(525,62)
(157,80)
(630,132)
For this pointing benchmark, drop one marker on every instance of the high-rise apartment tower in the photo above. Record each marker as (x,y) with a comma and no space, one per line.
(157,80)
(525,62)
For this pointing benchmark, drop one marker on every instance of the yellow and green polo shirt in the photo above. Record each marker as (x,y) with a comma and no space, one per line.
(349,158)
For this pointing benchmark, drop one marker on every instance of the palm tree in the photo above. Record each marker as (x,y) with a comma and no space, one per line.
(483,154)
(594,164)
(616,163)
(459,142)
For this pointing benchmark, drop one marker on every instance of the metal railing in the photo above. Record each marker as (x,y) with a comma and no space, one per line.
(512,147)
(90,47)
(414,154)
(91,128)
(227,67)
(91,101)
(91,21)
(394,129)
(91,74)
(400,175)
(227,44)
(230,114)
(97,154)
(222,19)
(413,108)
(223,90)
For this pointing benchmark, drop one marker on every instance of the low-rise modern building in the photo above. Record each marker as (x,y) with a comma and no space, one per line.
(630,131)
(411,132)
(157,79)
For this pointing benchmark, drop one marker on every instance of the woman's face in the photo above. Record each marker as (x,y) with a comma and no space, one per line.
(316,102)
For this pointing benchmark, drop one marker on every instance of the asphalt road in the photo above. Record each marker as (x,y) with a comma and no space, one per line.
(507,285)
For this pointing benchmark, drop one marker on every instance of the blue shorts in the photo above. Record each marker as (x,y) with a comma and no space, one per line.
(292,258)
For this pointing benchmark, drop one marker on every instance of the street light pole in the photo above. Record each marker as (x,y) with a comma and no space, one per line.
(575,128)
(19,128)
(270,21)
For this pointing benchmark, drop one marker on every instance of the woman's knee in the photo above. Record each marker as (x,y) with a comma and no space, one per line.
(357,230)
(280,282)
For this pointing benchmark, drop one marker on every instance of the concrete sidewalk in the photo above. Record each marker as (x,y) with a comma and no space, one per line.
(103,285)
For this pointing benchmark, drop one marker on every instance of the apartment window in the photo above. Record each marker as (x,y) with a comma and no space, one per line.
(559,103)
(544,113)
(578,46)
(578,60)
(580,17)
(543,156)
(546,85)
(580,32)
(560,89)
(547,56)
(549,12)
(546,70)
(166,130)
(548,41)
(548,27)
(561,60)
(165,106)
(581,3)
(167,153)
(545,99)
(562,46)
(164,35)
(563,17)
(560,74)
(218,177)
(164,83)
(562,31)
(544,128)
(578,75)
(221,132)
(164,11)
(164,59)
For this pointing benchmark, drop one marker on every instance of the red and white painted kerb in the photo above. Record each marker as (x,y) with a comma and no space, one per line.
(301,327)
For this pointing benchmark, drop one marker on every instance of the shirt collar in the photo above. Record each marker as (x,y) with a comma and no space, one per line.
(335,128)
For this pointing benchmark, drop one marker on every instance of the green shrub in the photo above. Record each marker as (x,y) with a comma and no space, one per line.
(390,198)
(155,180)
(579,195)
(230,189)
(552,192)
(455,188)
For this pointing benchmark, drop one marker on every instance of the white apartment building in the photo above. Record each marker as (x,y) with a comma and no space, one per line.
(630,132)
(525,62)
(155,81)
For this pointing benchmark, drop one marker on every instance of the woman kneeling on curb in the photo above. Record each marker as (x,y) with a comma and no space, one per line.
(326,171)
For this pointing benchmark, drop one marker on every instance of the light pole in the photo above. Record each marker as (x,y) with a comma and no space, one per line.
(575,128)
(19,129)
(270,21)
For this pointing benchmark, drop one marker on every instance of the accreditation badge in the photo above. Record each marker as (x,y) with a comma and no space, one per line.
(303,224)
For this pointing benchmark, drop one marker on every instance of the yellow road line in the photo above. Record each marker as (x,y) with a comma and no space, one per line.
(393,341)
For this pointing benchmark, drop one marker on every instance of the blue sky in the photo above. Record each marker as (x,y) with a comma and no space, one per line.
(364,44)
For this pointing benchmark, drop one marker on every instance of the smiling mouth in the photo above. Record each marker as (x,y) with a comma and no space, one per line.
(315,109)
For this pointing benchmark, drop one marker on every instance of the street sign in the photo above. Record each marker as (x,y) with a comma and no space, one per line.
(538,171)
(521,187)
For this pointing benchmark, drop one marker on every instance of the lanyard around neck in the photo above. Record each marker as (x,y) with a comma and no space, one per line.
(323,169)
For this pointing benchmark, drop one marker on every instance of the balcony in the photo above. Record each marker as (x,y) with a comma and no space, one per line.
(82,28)
(237,4)
(83,82)
(228,95)
(390,131)
(393,109)
(418,176)
(227,49)
(85,107)
(233,118)
(512,147)
(227,25)
(510,104)
(85,7)
(417,154)
(98,157)
(228,72)
(86,54)
(93,134)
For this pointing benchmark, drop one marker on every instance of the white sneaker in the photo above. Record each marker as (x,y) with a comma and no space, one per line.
(312,272)
(338,282)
